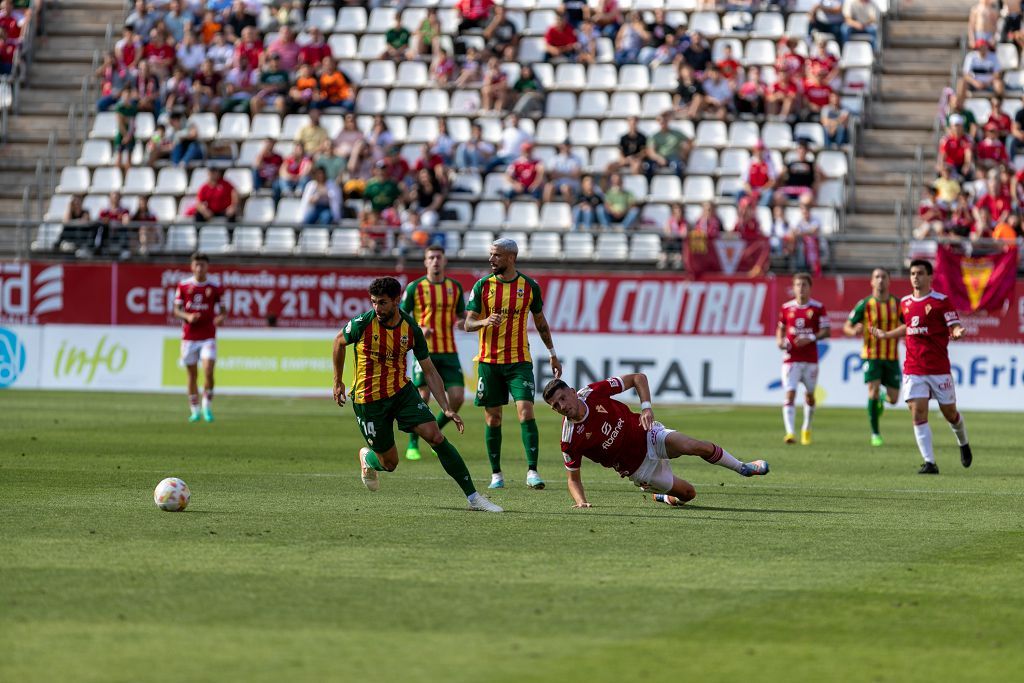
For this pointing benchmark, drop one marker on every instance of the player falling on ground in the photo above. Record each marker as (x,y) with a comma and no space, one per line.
(197,304)
(436,303)
(881,356)
(598,427)
(382,394)
(929,321)
(498,308)
(802,322)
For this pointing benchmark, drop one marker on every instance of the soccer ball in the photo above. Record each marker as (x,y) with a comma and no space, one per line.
(171,495)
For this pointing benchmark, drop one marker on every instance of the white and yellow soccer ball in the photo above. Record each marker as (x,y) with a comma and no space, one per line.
(172,495)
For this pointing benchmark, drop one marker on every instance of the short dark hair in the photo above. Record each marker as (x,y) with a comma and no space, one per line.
(386,286)
(553,387)
(927,265)
(803,276)
(433,247)
(199,256)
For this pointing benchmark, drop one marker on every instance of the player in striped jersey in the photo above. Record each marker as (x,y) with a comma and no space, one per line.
(498,308)
(382,394)
(881,357)
(435,302)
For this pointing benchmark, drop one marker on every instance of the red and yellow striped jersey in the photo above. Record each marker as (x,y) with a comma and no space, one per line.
(437,306)
(885,315)
(516,298)
(380,353)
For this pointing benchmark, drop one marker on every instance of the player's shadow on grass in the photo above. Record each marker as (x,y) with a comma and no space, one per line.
(717,508)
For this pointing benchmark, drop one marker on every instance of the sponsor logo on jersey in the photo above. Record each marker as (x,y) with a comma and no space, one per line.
(613,435)
(601,409)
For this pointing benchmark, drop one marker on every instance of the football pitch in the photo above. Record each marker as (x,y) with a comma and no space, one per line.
(841,565)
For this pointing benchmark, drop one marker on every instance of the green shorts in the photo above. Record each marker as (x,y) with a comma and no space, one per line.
(888,371)
(447,365)
(376,419)
(495,381)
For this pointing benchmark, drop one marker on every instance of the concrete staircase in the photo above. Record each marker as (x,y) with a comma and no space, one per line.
(63,56)
(922,45)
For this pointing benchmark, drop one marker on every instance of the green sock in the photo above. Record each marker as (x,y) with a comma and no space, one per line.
(881,406)
(442,419)
(455,466)
(873,414)
(531,440)
(414,440)
(372,461)
(492,441)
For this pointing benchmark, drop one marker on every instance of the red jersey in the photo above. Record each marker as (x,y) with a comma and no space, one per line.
(10,26)
(928,320)
(816,93)
(217,197)
(524,171)
(610,433)
(954,149)
(202,298)
(314,53)
(993,150)
(729,68)
(802,321)
(1000,121)
(787,89)
(560,37)
(997,205)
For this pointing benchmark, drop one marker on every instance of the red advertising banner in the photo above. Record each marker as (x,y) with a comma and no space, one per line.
(983,283)
(646,304)
(725,255)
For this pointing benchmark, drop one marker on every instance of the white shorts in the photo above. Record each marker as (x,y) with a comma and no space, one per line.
(193,351)
(939,387)
(795,374)
(655,472)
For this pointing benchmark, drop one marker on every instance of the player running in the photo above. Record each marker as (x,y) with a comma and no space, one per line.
(929,321)
(383,395)
(802,322)
(197,304)
(498,308)
(436,303)
(598,427)
(881,356)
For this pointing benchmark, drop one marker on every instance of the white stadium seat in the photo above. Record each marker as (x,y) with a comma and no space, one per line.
(106,179)
(344,242)
(578,246)
(313,241)
(213,239)
(73,180)
(247,239)
(611,246)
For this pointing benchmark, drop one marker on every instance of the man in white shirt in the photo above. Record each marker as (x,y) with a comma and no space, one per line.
(860,17)
(981,71)
(512,139)
(563,171)
(717,93)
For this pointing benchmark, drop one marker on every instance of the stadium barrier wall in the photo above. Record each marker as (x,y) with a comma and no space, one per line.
(725,370)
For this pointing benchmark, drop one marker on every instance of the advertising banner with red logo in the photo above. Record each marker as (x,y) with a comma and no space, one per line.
(34,293)
(983,283)
(725,256)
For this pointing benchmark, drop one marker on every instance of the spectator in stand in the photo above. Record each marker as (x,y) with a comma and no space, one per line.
(816,95)
(126,110)
(809,247)
(285,47)
(860,17)
(273,82)
(475,13)
(1008,230)
(217,198)
(190,53)
(471,74)
(186,145)
(151,235)
(128,49)
(718,94)
(426,197)
(982,21)
(826,63)
(589,206)
(141,20)
(78,229)
(160,54)
(221,53)
(834,120)
(955,107)
(443,145)
(349,138)
(314,51)
(425,38)
(206,86)
(996,201)
(239,19)
(380,137)
(708,223)
(501,37)
(827,17)
(1017,133)
(512,140)
(759,182)
(209,27)
(999,118)
(336,90)
(947,187)
(801,177)
(432,162)
(443,68)
(112,77)
(789,60)
(576,12)
(668,148)
(956,150)
(250,46)
(697,55)
(381,191)
(560,43)
(658,32)
(266,166)
(475,153)
(633,148)
(321,200)
(665,54)
(981,72)
(332,164)
(961,220)
(619,203)
(304,90)
(1012,23)
(112,237)
(783,98)
(982,227)
(175,22)
(630,39)
(564,171)
(312,136)
(588,37)
(239,86)
(689,97)
(525,175)
(730,69)
(931,216)
(397,40)
(676,228)
(747,226)
(779,237)
(293,174)
(991,153)
(494,93)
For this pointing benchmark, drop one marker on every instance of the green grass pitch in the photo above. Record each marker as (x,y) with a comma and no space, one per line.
(841,565)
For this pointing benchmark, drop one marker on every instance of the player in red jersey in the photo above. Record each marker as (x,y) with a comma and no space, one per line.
(197,304)
(929,322)
(802,322)
(598,427)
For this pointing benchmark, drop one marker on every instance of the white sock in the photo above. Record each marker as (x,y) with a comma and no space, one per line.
(724,458)
(959,430)
(207,399)
(789,417)
(808,416)
(193,403)
(923,434)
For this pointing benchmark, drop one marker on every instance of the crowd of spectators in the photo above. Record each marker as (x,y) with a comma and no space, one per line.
(15,26)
